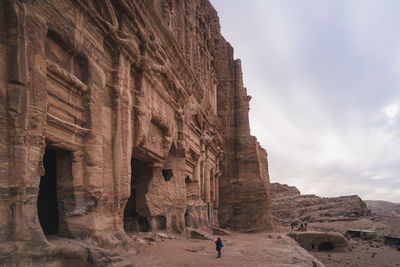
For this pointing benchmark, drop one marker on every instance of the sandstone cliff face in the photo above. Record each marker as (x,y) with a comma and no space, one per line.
(120,116)
(245,179)
(290,206)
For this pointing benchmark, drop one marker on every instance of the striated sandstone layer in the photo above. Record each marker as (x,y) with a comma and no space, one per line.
(290,206)
(121,116)
(246,205)
(283,190)
(384,208)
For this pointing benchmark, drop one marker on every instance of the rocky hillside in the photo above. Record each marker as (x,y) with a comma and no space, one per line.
(381,207)
(283,190)
(289,205)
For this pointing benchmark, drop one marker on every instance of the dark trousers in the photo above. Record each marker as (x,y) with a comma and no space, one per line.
(219,253)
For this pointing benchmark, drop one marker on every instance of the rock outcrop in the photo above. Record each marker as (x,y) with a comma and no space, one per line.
(122,116)
(320,241)
(283,190)
(384,208)
(387,215)
(245,185)
(290,206)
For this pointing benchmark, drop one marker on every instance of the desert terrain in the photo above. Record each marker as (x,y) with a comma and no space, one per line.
(264,249)
(360,252)
(339,214)
(255,249)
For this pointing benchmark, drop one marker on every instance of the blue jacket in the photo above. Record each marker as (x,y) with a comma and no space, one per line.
(218,244)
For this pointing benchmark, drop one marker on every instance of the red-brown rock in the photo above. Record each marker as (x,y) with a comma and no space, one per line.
(117,117)
(290,206)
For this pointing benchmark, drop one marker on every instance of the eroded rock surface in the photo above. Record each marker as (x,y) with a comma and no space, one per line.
(320,241)
(384,208)
(122,116)
(283,190)
(290,206)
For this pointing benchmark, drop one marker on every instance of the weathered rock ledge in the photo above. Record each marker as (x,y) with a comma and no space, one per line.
(290,206)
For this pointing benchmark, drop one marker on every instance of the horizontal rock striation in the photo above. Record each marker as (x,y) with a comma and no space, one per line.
(384,208)
(290,206)
(283,190)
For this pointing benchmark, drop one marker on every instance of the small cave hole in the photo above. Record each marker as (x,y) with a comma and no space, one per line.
(144,224)
(168,174)
(326,246)
(162,222)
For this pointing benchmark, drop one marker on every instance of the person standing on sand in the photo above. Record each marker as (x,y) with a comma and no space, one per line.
(219,246)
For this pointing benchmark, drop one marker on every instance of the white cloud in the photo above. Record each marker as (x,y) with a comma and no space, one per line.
(391,110)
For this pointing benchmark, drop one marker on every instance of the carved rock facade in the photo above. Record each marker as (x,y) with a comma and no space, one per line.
(121,116)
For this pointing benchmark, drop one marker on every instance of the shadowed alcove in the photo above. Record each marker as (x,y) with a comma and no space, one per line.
(326,246)
(55,191)
(47,200)
(134,219)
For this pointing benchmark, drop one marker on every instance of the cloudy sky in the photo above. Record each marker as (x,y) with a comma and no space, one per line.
(325,81)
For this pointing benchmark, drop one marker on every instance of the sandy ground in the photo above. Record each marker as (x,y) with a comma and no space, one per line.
(260,249)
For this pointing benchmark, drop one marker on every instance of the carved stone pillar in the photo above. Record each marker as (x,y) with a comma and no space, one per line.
(117,139)
(217,176)
(117,144)
(212,178)
(196,175)
(207,185)
(201,162)
(196,171)
(26,117)
(93,146)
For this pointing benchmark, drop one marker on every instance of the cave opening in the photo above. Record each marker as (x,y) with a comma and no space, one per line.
(167,174)
(326,246)
(187,218)
(47,206)
(135,219)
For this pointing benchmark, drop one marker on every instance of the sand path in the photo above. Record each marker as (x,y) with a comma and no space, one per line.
(261,249)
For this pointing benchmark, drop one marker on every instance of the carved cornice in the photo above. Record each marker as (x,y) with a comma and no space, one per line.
(65,125)
(66,76)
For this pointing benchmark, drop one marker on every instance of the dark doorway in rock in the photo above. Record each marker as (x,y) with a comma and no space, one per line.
(136,211)
(187,218)
(326,246)
(168,174)
(47,205)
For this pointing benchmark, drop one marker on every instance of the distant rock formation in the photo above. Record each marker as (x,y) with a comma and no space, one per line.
(289,206)
(381,207)
(283,190)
